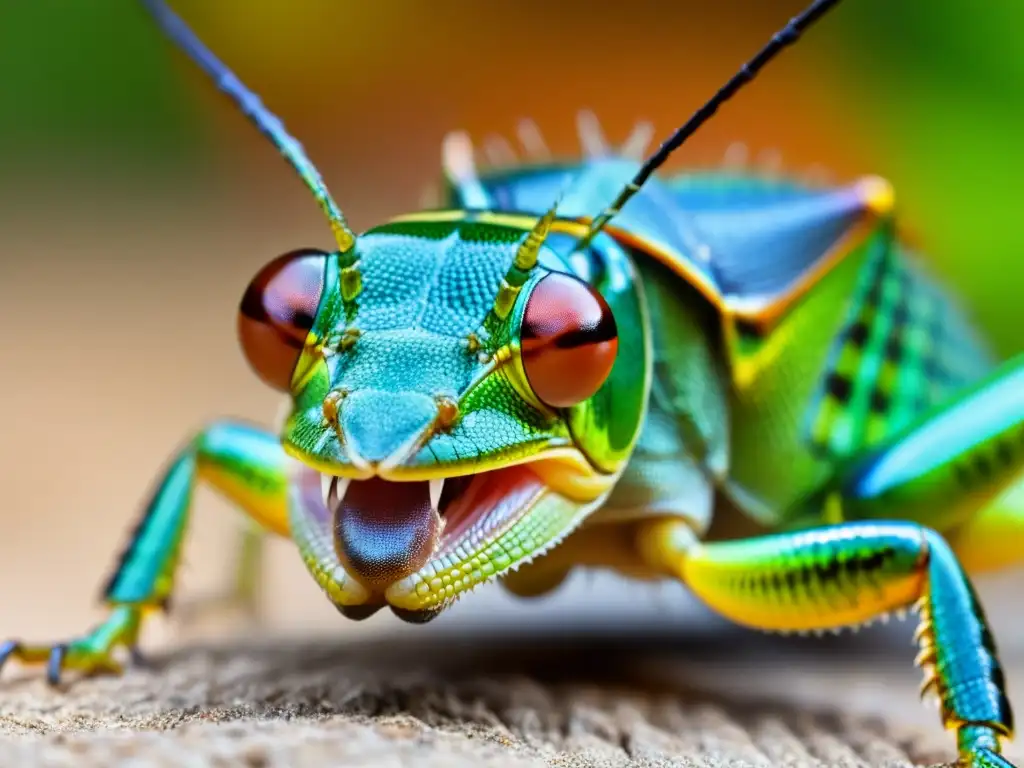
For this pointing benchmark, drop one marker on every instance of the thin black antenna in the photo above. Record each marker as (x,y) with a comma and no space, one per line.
(251,106)
(787,36)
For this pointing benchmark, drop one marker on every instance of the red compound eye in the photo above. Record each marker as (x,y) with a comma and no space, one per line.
(277,311)
(568,340)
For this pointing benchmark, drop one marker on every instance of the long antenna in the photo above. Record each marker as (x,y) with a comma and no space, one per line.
(251,106)
(787,36)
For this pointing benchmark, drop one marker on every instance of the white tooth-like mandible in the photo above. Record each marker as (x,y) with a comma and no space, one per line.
(340,486)
(333,490)
(326,482)
(436,486)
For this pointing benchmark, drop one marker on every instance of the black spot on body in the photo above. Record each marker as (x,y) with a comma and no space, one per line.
(893,349)
(879,401)
(1004,452)
(962,475)
(874,295)
(858,333)
(982,467)
(827,572)
(839,386)
(747,329)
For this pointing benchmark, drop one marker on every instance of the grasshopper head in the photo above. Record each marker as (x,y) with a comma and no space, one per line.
(452,411)
(444,428)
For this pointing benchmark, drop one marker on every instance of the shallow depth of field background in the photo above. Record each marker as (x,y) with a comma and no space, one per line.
(135,204)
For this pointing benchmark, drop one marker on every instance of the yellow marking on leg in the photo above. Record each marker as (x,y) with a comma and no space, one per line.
(269,510)
(723,576)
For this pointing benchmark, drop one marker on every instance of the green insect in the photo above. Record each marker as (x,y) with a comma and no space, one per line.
(527,381)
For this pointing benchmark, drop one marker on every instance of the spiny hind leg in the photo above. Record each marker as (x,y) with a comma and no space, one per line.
(846,574)
(244,464)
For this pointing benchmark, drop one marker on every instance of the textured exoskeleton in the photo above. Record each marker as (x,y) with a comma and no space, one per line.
(526,382)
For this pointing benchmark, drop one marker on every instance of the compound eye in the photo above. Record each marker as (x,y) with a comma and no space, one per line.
(277,311)
(568,340)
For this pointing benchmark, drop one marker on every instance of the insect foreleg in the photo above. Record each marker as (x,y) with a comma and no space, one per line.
(243,463)
(850,573)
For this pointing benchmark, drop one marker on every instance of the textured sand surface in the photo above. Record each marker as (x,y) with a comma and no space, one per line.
(532,700)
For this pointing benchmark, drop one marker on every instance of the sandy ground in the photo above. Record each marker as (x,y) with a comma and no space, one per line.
(485,688)
(116,350)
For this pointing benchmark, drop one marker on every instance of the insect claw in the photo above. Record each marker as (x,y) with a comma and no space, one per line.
(138,658)
(923,629)
(926,657)
(7,650)
(56,664)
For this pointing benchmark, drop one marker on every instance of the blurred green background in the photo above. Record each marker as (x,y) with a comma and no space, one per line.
(135,203)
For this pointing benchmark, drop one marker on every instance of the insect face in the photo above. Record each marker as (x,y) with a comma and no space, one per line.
(433,433)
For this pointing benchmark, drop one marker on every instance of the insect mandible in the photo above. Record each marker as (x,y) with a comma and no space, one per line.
(532,380)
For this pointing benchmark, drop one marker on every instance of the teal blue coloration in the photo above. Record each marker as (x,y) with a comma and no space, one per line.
(991,412)
(428,288)
(245,462)
(748,239)
(840,572)
(589,186)
(420,333)
(970,680)
(246,465)
(450,422)
(155,542)
(971,446)
(739,246)
(248,453)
